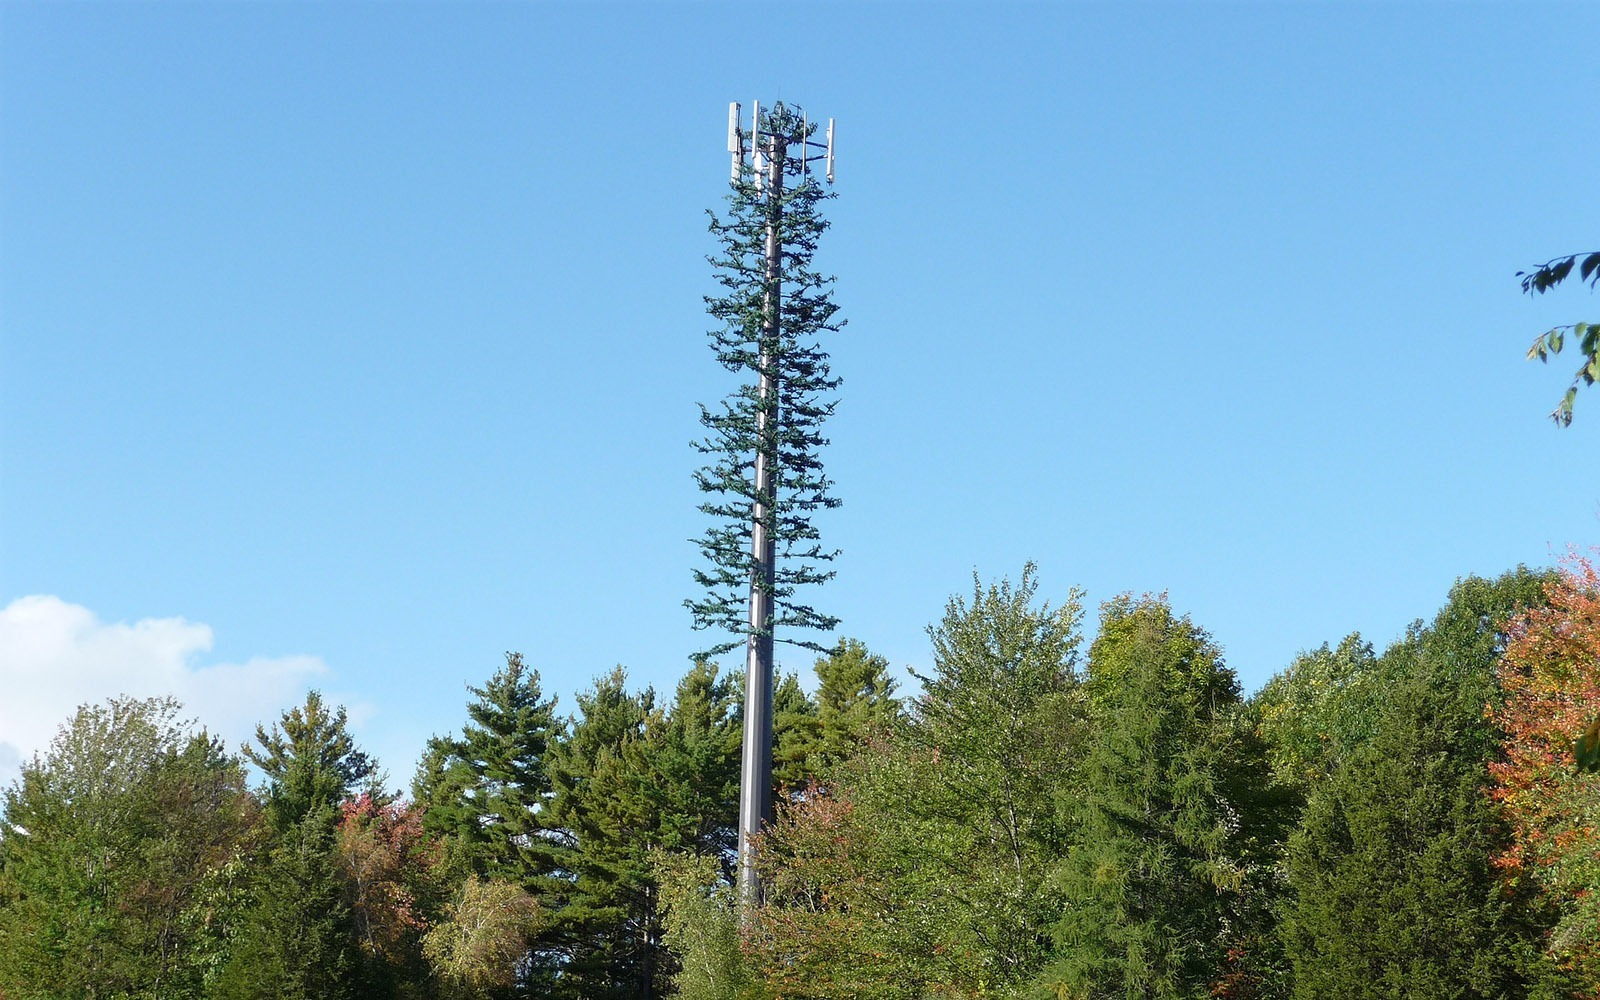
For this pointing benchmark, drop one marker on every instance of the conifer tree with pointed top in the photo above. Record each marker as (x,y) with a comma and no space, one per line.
(488,787)
(795,362)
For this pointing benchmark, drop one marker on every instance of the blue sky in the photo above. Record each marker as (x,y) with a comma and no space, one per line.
(353,345)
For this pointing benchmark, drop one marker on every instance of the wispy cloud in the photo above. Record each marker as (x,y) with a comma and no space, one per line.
(55,656)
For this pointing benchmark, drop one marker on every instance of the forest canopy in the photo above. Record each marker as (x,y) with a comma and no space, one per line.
(1048,811)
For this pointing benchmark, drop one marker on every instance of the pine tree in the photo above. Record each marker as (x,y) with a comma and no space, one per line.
(795,363)
(1396,894)
(1161,828)
(796,732)
(694,754)
(311,763)
(296,939)
(855,700)
(296,934)
(487,788)
(601,814)
(634,781)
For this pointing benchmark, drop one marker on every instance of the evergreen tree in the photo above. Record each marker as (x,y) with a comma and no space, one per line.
(296,935)
(1396,896)
(1166,839)
(795,363)
(694,756)
(1395,891)
(796,731)
(296,939)
(487,788)
(855,700)
(633,781)
(311,763)
(601,812)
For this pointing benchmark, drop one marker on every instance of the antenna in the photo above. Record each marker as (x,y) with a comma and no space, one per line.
(755,145)
(765,198)
(830,150)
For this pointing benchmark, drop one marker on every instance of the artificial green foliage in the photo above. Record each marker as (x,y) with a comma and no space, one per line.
(1394,890)
(798,366)
(1170,824)
(108,841)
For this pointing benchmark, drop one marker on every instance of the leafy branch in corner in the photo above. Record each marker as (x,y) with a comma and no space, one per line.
(1540,280)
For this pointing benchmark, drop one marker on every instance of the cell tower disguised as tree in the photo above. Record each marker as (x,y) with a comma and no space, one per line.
(764,476)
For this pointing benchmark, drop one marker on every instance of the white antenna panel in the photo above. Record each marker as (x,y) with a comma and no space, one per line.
(755,146)
(830,150)
(756,149)
(733,128)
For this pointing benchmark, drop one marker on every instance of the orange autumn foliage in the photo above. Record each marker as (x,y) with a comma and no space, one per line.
(1550,676)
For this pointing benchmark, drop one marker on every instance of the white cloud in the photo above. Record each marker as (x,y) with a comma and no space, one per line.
(55,656)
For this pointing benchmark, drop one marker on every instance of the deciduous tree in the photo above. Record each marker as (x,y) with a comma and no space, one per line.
(1540,280)
(1551,676)
(105,844)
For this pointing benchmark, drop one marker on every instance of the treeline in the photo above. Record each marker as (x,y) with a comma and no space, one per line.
(1042,817)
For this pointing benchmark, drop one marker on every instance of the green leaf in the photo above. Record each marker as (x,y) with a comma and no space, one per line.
(1555,338)
(1563,411)
(1587,748)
